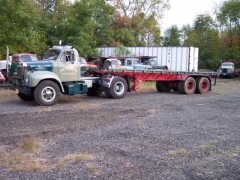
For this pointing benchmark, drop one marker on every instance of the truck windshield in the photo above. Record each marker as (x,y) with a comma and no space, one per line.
(152,62)
(51,54)
(82,61)
(227,64)
(136,61)
(28,58)
(116,62)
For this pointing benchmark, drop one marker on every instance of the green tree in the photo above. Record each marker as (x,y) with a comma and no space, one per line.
(205,35)
(89,22)
(172,36)
(122,51)
(228,17)
(21,27)
(136,22)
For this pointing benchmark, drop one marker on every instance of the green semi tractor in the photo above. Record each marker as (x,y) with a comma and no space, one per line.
(60,72)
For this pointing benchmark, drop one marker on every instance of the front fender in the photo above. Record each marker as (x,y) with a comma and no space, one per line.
(37,76)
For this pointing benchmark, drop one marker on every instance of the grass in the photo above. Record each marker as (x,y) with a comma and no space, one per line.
(27,158)
(46,109)
(181,151)
(147,86)
(77,158)
(95,169)
(30,145)
(7,95)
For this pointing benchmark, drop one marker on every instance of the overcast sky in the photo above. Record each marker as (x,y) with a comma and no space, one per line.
(184,12)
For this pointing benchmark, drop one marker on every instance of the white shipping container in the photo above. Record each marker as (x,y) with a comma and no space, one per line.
(177,58)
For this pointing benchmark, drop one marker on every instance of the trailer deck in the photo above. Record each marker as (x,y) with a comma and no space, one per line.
(185,82)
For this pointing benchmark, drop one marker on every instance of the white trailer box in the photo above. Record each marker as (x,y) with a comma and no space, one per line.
(177,58)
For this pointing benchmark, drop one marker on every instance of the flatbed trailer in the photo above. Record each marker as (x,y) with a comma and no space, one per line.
(44,81)
(186,82)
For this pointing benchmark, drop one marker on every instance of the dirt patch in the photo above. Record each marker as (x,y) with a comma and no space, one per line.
(146,135)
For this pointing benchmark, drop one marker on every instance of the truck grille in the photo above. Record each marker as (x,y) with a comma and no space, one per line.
(224,70)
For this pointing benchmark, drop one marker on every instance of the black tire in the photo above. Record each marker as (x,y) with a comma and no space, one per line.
(106,91)
(24,97)
(47,93)
(95,91)
(163,86)
(189,86)
(158,86)
(180,87)
(118,88)
(202,85)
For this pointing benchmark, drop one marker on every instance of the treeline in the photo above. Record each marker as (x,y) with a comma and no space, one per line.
(35,25)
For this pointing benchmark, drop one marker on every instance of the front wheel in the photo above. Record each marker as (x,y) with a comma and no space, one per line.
(118,88)
(47,93)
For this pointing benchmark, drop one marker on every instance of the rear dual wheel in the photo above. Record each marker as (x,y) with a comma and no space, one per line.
(187,87)
(203,85)
(163,86)
(190,85)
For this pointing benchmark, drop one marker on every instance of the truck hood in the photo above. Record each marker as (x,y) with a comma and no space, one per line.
(139,66)
(39,65)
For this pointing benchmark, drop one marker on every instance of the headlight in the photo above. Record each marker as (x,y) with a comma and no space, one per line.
(26,80)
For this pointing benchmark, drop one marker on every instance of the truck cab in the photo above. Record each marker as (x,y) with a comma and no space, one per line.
(135,64)
(228,69)
(114,63)
(58,72)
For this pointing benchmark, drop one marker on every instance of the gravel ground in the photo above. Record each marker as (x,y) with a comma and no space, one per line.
(145,135)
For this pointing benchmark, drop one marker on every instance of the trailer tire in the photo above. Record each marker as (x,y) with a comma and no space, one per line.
(163,86)
(47,93)
(189,86)
(180,87)
(95,91)
(118,88)
(202,85)
(158,86)
(24,97)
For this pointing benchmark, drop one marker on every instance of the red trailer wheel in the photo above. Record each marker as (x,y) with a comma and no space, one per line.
(203,85)
(189,85)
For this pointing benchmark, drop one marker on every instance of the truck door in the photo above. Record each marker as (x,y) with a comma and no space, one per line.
(69,68)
